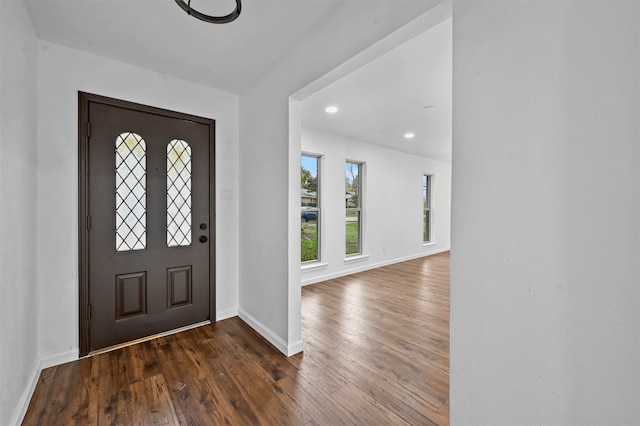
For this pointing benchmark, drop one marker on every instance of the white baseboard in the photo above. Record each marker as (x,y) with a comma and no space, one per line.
(23,403)
(295,348)
(41,364)
(366,267)
(58,359)
(274,339)
(226,313)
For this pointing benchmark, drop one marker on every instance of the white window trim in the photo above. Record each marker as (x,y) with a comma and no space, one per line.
(308,265)
(311,266)
(362,175)
(430,186)
(356,258)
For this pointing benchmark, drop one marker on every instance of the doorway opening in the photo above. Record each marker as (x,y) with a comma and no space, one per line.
(389,110)
(379,191)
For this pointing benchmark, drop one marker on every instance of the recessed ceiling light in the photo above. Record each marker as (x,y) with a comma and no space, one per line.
(409,135)
(429,107)
(331,109)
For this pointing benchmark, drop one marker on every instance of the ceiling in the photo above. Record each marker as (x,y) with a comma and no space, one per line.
(378,103)
(158,35)
(407,90)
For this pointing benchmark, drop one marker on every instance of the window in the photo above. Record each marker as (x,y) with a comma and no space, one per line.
(178,193)
(310,208)
(426,208)
(353,207)
(131,192)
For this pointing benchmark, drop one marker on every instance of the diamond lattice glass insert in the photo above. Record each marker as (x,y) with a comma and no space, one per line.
(131,190)
(178,193)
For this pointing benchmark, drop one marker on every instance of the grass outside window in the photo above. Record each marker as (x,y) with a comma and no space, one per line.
(309,241)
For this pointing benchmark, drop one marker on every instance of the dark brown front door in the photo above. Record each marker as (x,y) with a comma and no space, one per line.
(149,220)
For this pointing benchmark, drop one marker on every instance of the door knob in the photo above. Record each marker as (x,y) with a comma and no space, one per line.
(203,239)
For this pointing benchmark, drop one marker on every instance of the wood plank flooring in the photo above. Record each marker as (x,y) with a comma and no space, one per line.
(376,352)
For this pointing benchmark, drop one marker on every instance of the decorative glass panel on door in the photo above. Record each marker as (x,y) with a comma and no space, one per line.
(131,189)
(178,193)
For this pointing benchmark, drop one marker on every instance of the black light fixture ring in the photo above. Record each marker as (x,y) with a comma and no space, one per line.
(208,18)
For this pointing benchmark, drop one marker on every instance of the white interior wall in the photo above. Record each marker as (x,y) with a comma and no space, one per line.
(18,296)
(62,73)
(545,231)
(392,209)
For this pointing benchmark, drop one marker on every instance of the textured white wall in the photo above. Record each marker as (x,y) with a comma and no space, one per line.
(545,222)
(392,204)
(62,73)
(18,296)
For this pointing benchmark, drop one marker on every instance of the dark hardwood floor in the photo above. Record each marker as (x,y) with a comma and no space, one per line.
(376,352)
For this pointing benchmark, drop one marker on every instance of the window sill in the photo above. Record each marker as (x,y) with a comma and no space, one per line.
(432,243)
(309,267)
(357,258)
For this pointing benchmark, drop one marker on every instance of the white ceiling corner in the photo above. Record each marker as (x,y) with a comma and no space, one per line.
(378,102)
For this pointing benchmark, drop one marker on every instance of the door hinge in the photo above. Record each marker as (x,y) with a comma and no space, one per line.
(88,130)
(89,311)
(88,223)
